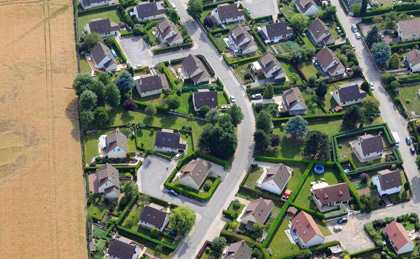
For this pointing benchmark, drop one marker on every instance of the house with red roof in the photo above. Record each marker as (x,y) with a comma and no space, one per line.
(398,237)
(306,230)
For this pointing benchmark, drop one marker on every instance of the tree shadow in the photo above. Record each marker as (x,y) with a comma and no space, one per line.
(72,113)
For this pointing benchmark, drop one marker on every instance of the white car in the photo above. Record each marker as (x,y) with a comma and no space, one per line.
(357,35)
(232,99)
(354,27)
(338,229)
(174,6)
(372,87)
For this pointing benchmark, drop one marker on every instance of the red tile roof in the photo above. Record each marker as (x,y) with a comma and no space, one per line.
(398,235)
(306,226)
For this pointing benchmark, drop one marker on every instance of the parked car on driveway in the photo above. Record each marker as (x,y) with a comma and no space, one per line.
(232,99)
(338,229)
(354,27)
(408,141)
(372,87)
(342,221)
(357,35)
(412,150)
(173,193)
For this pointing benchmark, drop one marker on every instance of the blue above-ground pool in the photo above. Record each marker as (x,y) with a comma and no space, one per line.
(319,169)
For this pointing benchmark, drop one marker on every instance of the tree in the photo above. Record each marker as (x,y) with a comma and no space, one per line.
(137,30)
(355,8)
(364,177)
(268,92)
(380,52)
(225,119)
(294,77)
(86,117)
(154,232)
(99,89)
(394,61)
(129,189)
(364,6)
(207,185)
(352,116)
(371,103)
(208,21)
(173,102)
(218,244)
(182,219)
(213,116)
(236,114)
(190,117)
(195,8)
(92,39)
(227,145)
(130,105)
(88,100)
(299,22)
(275,140)
(150,110)
(407,186)
(262,140)
(83,82)
(365,86)
(167,91)
(296,126)
(204,139)
(264,122)
(373,37)
(173,15)
(204,109)
(321,89)
(125,82)
(394,85)
(233,225)
(101,115)
(258,228)
(312,80)
(112,95)
(236,204)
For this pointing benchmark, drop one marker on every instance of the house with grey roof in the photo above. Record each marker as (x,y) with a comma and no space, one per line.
(167,141)
(408,30)
(204,97)
(107,182)
(104,27)
(329,197)
(275,179)
(348,94)
(88,4)
(328,62)
(193,68)
(293,102)
(114,145)
(148,11)
(228,13)
(168,33)
(275,32)
(368,147)
(412,59)
(241,41)
(320,34)
(237,250)
(154,216)
(307,7)
(388,182)
(268,65)
(148,85)
(256,211)
(103,58)
(195,173)
(121,249)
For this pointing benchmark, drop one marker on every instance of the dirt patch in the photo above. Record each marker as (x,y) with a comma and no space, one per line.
(41,179)
(363,191)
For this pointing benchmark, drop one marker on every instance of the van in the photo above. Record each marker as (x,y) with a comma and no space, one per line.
(396,138)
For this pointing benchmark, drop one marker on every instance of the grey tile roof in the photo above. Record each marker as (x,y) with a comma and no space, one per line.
(305,4)
(280,174)
(121,249)
(238,250)
(350,93)
(116,139)
(166,26)
(149,83)
(333,193)
(410,27)
(260,209)
(414,57)
(228,11)
(371,144)
(325,56)
(389,179)
(292,97)
(208,98)
(146,9)
(278,29)
(240,33)
(318,28)
(191,64)
(198,170)
(268,61)
(102,26)
(108,172)
(100,51)
(169,139)
(88,3)
(153,216)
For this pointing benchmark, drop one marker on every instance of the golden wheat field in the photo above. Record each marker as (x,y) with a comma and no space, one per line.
(42,210)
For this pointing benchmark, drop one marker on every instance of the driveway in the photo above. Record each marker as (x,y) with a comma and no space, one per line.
(137,51)
(261,8)
(153,174)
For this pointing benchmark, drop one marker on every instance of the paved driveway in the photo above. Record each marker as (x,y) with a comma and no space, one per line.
(261,8)
(152,174)
(137,51)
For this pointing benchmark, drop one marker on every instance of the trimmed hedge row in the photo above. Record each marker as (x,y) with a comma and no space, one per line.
(343,32)
(247,15)
(366,251)
(345,7)
(169,76)
(409,80)
(159,108)
(259,41)
(140,237)
(151,24)
(200,197)
(209,6)
(170,48)
(317,214)
(289,160)
(126,209)
(97,10)
(416,133)
(263,18)
(407,45)
(206,64)
(119,50)
(342,211)
(213,40)
(352,190)
(313,117)
(241,61)
(213,159)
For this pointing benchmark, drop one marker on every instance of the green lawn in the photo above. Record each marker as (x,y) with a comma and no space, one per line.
(253,177)
(297,173)
(111,14)
(402,194)
(324,229)
(284,47)
(242,70)
(410,94)
(288,10)
(97,211)
(308,42)
(281,245)
(308,68)
(304,197)
(311,102)
(84,66)
(289,70)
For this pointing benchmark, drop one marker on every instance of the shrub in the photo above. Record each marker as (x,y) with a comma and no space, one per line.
(207,185)
(154,232)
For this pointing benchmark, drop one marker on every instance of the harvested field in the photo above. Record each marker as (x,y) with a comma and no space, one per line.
(41,180)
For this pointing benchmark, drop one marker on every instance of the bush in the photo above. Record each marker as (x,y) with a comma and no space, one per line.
(207,185)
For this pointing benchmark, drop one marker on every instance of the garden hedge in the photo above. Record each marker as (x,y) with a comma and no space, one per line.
(170,48)
(316,214)
(415,132)
(247,15)
(206,64)
(266,18)
(409,80)
(342,211)
(404,46)
(159,108)
(345,7)
(210,6)
(213,159)
(213,40)
(97,10)
(241,61)
(290,160)
(200,197)
(119,50)
(140,237)
(352,190)
(169,76)
(366,251)
(151,24)
(126,34)
(260,43)
(330,116)
(343,32)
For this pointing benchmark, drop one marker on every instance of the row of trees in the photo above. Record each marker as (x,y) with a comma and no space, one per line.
(381,51)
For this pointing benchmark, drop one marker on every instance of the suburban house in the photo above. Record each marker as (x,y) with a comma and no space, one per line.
(348,95)
(329,62)
(398,237)
(107,182)
(412,60)
(169,142)
(268,65)
(195,173)
(238,250)
(154,216)
(119,249)
(148,85)
(104,27)
(368,147)
(103,58)
(241,41)
(256,211)
(307,7)
(168,33)
(204,97)
(275,179)
(115,145)
(88,4)
(307,231)
(320,33)
(194,69)
(408,30)
(388,182)
(148,11)
(275,32)
(329,197)
(293,102)
(228,13)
